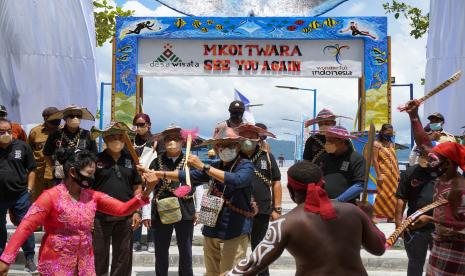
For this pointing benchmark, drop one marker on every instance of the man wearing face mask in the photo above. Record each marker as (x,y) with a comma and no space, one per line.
(236,111)
(267,191)
(448,253)
(70,137)
(416,189)
(17,131)
(37,138)
(172,159)
(17,178)
(117,176)
(343,168)
(225,244)
(315,144)
(436,123)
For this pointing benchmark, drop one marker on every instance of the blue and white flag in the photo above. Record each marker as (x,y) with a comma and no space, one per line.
(248,116)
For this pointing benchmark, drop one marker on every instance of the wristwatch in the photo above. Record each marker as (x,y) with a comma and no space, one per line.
(206,168)
(278,210)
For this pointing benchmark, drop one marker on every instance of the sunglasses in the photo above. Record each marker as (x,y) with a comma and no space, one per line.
(140,124)
(5,131)
(72,116)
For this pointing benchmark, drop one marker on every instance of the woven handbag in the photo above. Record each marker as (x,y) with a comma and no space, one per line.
(210,208)
(169,210)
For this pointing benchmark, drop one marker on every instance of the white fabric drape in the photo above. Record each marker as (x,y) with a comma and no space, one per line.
(47,56)
(445,55)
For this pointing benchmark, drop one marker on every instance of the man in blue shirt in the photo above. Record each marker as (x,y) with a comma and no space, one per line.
(231,178)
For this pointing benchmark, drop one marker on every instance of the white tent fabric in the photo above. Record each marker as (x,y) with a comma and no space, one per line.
(47,57)
(446,55)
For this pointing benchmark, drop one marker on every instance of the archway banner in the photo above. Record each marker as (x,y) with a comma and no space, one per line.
(311,47)
(261,58)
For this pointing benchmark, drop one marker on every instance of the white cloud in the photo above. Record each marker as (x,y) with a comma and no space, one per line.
(355,9)
(141,10)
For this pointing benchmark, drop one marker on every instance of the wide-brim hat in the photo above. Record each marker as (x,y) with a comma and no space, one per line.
(324,115)
(337,132)
(249,127)
(172,129)
(85,113)
(112,129)
(225,135)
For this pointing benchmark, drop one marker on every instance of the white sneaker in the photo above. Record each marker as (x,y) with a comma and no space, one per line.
(151,247)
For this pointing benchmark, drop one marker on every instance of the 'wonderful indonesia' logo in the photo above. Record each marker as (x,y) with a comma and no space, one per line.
(341,70)
(169,59)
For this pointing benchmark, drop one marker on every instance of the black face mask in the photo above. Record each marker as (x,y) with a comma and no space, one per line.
(54,122)
(438,170)
(84,181)
(236,115)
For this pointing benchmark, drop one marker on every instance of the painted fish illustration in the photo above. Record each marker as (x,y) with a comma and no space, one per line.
(125,49)
(219,27)
(306,30)
(377,51)
(314,25)
(124,57)
(204,30)
(330,22)
(299,22)
(179,23)
(196,23)
(210,22)
(291,28)
(380,60)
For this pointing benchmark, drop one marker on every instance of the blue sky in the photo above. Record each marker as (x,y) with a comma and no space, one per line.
(202,102)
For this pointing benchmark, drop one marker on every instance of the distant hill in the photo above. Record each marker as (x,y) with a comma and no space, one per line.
(282,146)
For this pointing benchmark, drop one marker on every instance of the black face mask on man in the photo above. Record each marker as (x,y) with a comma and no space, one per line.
(236,115)
(84,181)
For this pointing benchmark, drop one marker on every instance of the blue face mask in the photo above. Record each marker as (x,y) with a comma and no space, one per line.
(435,126)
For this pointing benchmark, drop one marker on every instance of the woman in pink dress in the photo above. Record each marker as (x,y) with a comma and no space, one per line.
(67,213)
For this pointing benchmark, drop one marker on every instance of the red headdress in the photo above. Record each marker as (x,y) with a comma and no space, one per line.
(452,151)
(317,200)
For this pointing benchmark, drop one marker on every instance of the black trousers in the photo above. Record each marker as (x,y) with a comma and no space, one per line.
(417,244)
(120,234)
(259,228)
(162,239)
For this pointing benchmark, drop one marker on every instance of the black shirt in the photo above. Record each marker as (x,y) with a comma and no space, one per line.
(264,169)
(64,138)
(416,187)
(314,146)
(141,143)
(165,187)
(16,161)
(117,179)
(341,171)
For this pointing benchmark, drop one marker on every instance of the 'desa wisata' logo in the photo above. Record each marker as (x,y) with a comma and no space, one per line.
(169,59)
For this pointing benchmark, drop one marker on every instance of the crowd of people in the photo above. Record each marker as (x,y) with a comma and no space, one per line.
(85,201)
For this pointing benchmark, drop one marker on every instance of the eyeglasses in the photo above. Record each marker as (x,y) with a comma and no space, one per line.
(5,131)
(72,116)
(140,124)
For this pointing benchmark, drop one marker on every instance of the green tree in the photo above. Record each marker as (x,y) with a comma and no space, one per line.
(105,19)
(419,22)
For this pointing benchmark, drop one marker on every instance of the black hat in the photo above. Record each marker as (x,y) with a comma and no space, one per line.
(3,109)
(236,105)
(49,111)
(436,115)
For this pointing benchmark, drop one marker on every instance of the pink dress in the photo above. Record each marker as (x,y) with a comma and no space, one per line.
(66,248)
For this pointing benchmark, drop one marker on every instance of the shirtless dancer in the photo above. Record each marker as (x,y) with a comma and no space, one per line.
(324,237)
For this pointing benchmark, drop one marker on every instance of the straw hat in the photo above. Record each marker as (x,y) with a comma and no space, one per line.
(112,129)
(225,135)
(85,113)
